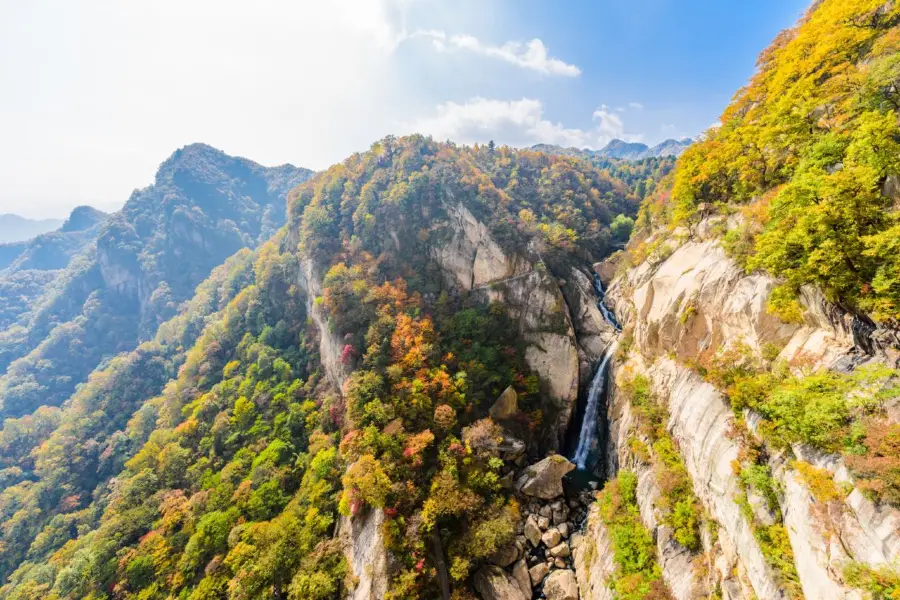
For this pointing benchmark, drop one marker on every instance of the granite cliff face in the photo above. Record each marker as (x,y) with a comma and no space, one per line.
(474,263)
(523,284)
(688,306)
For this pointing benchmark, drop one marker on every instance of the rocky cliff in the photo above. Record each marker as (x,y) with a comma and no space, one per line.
(680,311)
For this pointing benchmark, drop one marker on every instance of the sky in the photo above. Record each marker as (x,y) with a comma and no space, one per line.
(95,94)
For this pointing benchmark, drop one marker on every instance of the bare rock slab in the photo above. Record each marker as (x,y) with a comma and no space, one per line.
(544,479)
(561,585)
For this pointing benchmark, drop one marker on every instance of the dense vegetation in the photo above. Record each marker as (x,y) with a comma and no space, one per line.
(641,176)
(827,410)
(56,462)
(203,207)
(809,153)
(638,575)
(216,460)
(651,443)
(28,268)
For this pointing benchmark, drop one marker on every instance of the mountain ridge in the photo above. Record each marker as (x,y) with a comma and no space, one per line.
(147,259)
(620,149)
(15,228)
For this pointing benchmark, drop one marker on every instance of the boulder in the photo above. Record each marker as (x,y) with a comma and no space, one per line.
(561,585)
(505,556)
(560,516)
(537,573)
(551,537)
(561,550)
(532,531)
(510,448)
(493,583)
(544,479)
(559,563)
(520,574)
(565,529)
(543,523)
(506,407)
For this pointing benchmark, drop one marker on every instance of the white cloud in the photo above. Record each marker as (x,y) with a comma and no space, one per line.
(513,122)
(106,90)
(636,105)
(517,123)
(533,55)
(610,126)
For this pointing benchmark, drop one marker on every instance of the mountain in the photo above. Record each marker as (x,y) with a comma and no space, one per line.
(411,285)
(618,149)
(642,176)
(52,250)
(378,401)
(757,388)
(27,269)
(148,258)
(14,228)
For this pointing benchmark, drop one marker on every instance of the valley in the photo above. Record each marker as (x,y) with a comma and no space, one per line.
(480,372)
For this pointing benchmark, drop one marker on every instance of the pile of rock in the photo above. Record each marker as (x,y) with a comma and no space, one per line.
(539,563)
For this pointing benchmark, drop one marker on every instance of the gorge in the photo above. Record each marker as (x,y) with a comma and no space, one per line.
(455,372)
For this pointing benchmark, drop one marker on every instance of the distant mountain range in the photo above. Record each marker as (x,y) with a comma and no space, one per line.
(52,250)
(116,277)
(14,228)
(622,150)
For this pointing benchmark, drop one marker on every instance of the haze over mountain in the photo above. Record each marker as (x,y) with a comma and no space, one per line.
(618,149)
(140,265)
(52,250)
(14,228)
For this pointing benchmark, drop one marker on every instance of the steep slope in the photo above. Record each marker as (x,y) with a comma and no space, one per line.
(52,250)
(28,268)
(641,176)
(202,207)
(328,433)
(754,417)
(14,228)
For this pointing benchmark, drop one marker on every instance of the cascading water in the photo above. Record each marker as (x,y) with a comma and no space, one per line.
(595,396)
(601,295)
(589,423)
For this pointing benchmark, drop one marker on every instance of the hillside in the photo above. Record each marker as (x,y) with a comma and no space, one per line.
(147,259)
(52,250)
(14,228)
(753,420)
(28,268)
(412,285)
(435,371)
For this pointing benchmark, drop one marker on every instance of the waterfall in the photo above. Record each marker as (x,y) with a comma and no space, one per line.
(608,316)
(595,394)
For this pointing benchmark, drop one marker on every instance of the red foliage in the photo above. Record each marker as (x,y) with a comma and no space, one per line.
(347,354)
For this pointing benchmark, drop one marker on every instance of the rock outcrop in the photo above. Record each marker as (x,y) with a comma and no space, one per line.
(493,583)
(593,559)
(544,479)
(330,345)
(506,406)
(367,557)
(685,308)
(561,585)
(475,262)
